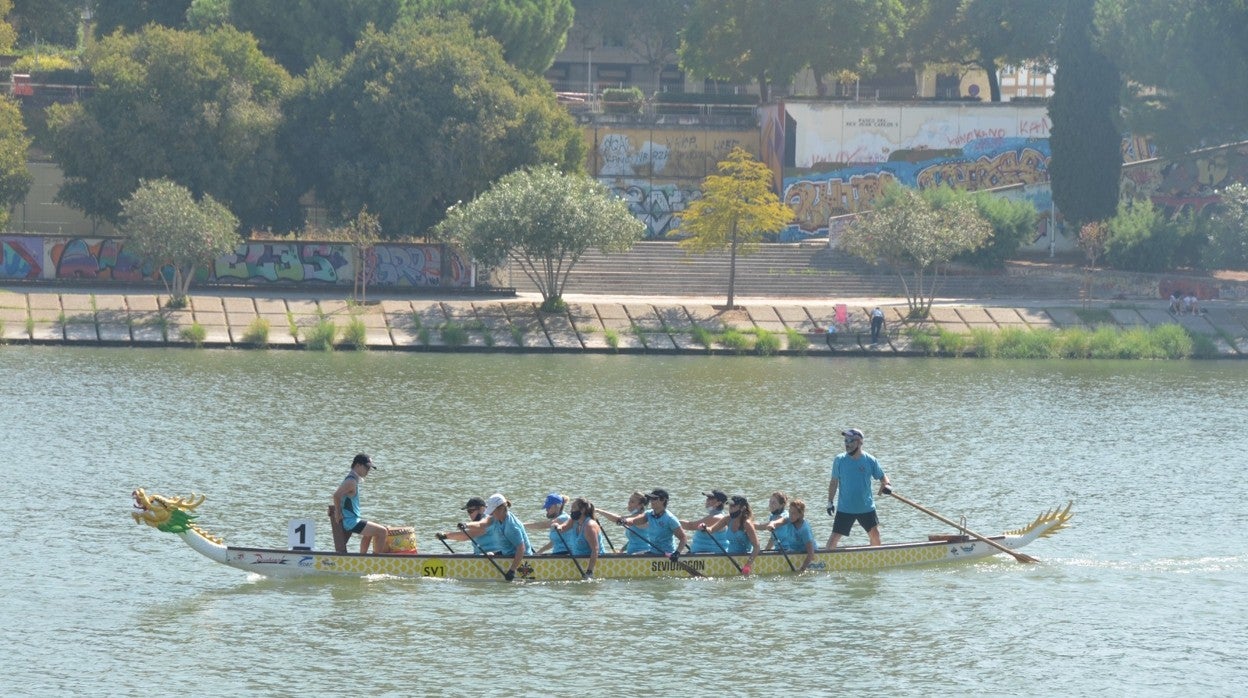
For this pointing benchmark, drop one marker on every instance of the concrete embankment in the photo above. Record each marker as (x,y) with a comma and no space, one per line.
(592,324)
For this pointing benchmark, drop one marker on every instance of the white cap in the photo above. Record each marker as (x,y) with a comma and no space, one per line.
(495,501)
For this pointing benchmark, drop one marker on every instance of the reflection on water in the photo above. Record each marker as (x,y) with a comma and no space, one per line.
(267,436)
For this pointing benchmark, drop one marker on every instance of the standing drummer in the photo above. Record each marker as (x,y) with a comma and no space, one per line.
(852,472)
(347,508)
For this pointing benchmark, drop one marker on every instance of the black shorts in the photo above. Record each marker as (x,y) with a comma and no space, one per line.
(359,527)
(844,522)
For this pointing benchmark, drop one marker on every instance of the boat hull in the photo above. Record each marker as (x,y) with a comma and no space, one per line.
(295,563)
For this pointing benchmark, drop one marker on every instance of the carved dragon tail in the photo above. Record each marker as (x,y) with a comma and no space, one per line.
(1051,521)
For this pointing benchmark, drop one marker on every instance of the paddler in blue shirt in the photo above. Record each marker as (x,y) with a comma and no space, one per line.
(702,543)
(661,525)
(483,539)
(636,533)
(513,541)
(553,505)
(793,533)
(739,527)
(582,532)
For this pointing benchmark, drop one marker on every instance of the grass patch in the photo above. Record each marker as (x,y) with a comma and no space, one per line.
(257,334)
(195,334)
(517,335)
(703,336)
(1094,316)
(322,336)
(1104,342)
(423,336)
(766,342)
(612,337)
(294,329)
(797,340)
(454,335)
(30,326)
(736,340)
(356,334)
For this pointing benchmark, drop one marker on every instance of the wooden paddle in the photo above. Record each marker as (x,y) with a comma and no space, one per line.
(780,546)
(604,534)
(670,556)
(1021,557)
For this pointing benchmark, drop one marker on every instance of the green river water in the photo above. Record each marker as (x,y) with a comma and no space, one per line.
(1144,594)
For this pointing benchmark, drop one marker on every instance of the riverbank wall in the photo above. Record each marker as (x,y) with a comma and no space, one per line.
(607,325)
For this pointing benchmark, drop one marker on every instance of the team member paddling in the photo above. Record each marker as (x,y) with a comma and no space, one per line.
(662,527)
(483,540)
(702,543)
(512,540)
(738,526)
(553,505)
(637,543)
(793,533)
(582,533)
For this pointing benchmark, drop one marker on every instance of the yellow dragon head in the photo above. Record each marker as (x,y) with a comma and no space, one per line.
(171,515)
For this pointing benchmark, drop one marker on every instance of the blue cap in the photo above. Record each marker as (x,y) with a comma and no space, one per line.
(552,499)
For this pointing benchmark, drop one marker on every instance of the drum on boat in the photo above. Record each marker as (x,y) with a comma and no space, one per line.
(402,539)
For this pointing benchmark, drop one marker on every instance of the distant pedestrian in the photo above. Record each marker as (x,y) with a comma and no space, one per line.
(877,324)
(1176,302)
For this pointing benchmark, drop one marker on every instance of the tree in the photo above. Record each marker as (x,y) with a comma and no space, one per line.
(363,232)
(47,21)
(296,33)
(163,223)
(15,178)
(420,118)
(544,221)
(1227,233)
(200,109)
(1085,138)
(743,40)
(737,208)
(8,35)
(848,37)
(132,15)
(916,234)
(1187,61)
(987,34)
(1013,223)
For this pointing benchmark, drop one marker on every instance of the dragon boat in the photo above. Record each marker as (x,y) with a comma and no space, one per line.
(177,515)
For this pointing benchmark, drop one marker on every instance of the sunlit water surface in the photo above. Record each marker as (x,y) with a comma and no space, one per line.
(1144,594)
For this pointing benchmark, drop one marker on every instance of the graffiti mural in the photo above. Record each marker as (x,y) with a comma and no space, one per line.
(1189,183)
(393,265)
(659,169)
(21,257)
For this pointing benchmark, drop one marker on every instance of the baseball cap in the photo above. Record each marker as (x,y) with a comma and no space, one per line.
(740,501)
(552,499)
(495,501)
(716,494)
(473,503)
(853,434)
(658,494)
(362,459)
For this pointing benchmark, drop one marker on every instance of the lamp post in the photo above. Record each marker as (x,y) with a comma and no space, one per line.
(589,72)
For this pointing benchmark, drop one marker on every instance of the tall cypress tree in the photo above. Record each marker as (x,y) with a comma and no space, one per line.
(1085,136)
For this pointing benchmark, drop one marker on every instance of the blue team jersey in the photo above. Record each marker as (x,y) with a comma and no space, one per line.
(661,530)
(487,542)
(556,546)
(351,504)
(793,539)
(702,542)
(577,541)
(511,535)
(738,541)
(854,490)
(636,540)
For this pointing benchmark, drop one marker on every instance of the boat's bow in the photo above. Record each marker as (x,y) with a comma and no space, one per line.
(174,515)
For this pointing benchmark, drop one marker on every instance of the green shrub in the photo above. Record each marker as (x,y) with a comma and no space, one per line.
(982,342)
(612,337)
(797,340)
(922,341)
(356,334)
(322,336)
(1227,232)
(1017,343)
(625,100)
(517,335)
(702,336)
(951,343)
(423,336)
(1203,346)
(1140,239)
(766,343)
(1013,222)
(1175,342)
(257,334)
(735,340)
(1104,343)
(195,334)
(1074,343)
(454,335)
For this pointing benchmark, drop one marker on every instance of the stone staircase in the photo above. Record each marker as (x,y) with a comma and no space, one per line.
(791,270)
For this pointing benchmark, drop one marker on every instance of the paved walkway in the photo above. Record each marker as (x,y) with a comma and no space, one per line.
(592,324)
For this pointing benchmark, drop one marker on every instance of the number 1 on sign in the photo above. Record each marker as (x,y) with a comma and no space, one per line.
(302,534)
